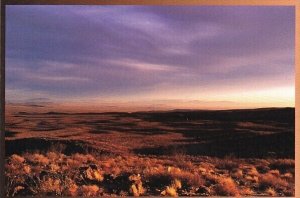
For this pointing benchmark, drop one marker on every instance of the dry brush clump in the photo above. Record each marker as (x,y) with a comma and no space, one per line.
(226,187)
(171,190)
(56,174)
(273,180)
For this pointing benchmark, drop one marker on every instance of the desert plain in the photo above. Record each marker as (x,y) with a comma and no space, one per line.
(60,152)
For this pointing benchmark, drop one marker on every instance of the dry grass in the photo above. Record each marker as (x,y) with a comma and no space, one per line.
(143,154)
(226,187)
(272,180)
(56,174)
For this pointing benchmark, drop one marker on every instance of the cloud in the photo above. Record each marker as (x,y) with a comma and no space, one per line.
(58,78)
(142,66)
(110,51)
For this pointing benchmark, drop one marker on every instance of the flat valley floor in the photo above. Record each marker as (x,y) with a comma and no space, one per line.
(166,153)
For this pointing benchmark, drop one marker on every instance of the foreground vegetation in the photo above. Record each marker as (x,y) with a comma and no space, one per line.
(56,174)
(172,153)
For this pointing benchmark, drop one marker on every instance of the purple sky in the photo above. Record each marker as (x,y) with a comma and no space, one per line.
(159,53)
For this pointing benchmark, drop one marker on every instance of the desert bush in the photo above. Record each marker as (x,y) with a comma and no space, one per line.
(283,165)
(51,186)
(190,179)
(94,174)
(275,172)
(38,158)
(211,179)
(289,177)
(253,179)
(262,168)
(54,173)
(226,187)
(227,164)
(73,163)
(246,191)
(80,158)
(271,192)
(172,189)
(237,174)
(269,180)
(27,169)
(16,159)
(54,167)
(53,156)
(89,190)
(206,168)
(136,189)
(70,188)
(252,171)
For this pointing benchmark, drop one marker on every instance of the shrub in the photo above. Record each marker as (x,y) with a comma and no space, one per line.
(89,190)
(288,177)
(226,187)
(271,192)
(270,180)
(50,185)
(136,188)
(227,164)
(94,174)
(246,191)
(238,174)
(39,158)
(72,190)
(283,165)
(16,159)
(27,169)
(169,191)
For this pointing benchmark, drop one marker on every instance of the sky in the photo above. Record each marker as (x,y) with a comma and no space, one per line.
(152,57)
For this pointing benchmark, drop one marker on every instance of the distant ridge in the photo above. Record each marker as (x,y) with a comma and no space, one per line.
(174,111)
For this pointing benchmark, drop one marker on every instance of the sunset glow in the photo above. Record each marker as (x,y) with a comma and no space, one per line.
(128,58)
